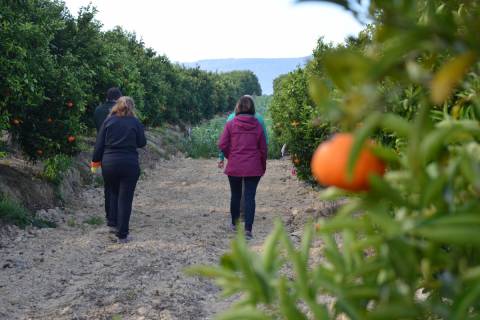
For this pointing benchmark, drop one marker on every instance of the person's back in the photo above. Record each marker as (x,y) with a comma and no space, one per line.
(116,149)
(243,143)
(122,138)
(102,111)
(246,153)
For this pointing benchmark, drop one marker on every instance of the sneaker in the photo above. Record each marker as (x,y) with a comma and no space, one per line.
(248,235)
(125,240)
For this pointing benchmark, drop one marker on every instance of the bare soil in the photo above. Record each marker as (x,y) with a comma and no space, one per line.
(180,219)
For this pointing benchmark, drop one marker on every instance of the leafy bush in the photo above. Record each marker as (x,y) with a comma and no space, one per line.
(407,248)
(293,115)
(55,167)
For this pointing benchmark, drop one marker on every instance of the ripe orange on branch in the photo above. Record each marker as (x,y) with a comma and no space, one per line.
(330,161)
(71,139)
(70,104)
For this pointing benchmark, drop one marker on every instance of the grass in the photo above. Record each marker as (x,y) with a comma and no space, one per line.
(204,138)
(94,221)
(71,222)
(14,213)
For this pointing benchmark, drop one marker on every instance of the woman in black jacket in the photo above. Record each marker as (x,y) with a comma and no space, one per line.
(116,148)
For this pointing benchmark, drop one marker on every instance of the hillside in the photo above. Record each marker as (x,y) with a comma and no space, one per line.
(265,69)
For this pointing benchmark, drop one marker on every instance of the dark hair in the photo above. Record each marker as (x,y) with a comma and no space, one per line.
(113,94)
(245,105)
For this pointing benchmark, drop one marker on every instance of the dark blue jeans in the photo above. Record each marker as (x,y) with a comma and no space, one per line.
(120,181)
(249,192)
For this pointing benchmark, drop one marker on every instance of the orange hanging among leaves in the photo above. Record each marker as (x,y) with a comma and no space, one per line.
(70,104)
(71,139)
(329,164)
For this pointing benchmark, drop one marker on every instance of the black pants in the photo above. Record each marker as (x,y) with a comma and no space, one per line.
(120,181)
(250,190)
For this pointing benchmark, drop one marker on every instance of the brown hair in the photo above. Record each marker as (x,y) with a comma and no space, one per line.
(245,105)
(123,107)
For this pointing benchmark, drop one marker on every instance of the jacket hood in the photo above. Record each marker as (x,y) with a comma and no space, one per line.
(246,122)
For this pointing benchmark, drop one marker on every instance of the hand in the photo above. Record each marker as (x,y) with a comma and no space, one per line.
(220,164)
(94,166)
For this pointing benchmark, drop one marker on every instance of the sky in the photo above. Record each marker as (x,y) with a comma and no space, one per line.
(192,30)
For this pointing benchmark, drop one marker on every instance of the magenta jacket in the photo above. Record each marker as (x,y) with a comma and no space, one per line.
(244,145)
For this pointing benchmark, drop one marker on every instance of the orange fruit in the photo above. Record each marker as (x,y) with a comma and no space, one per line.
(16,122)
(49,120)
(71,139)
(39,152)
(329,164)
(70,104)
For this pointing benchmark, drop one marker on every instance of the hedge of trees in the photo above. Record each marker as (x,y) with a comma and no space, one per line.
(405,248)
(55,69)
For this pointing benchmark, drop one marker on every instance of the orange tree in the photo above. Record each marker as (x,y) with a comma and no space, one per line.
(408,248)
(41,91)
(294,120)
(56,68)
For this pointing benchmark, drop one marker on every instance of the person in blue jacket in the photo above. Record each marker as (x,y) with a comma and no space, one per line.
(116,148)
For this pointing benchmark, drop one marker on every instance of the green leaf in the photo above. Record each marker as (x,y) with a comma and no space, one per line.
(287,304)
(361,135)
(270,247)
(463,306)
(453,234)
(245,313)
(397,124)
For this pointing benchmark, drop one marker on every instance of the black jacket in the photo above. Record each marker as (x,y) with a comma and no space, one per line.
(118,140)
(101,113)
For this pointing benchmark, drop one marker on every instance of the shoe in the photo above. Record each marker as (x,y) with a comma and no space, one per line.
(125,240)
(248,235)
(233,228)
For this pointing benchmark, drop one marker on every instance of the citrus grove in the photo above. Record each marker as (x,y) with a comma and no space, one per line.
(55,69)
(404,245)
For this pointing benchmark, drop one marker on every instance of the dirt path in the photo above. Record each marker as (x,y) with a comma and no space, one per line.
(180,218)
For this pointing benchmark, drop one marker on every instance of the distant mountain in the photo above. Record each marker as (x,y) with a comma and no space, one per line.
(265,69)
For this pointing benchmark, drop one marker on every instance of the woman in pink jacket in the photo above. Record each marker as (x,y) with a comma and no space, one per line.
(244,145)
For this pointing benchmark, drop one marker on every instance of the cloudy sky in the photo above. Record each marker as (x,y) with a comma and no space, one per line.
(191,30)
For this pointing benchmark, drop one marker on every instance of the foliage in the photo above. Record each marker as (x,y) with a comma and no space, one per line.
(408,248)
(13,213)
(94,221)
(263,107)
(55,69)
(41,91)
(203,139)
(293,112)
(55,167)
